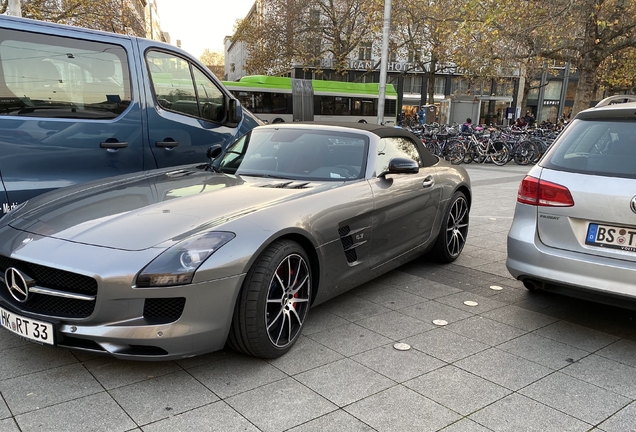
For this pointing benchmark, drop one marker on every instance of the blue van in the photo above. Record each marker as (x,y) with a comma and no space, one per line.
(78,105)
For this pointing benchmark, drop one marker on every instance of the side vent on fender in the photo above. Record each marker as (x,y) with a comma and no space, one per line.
(349,245)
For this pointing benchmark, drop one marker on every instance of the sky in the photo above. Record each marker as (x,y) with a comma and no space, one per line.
(201,24)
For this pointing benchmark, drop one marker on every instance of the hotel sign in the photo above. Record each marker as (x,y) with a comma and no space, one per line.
(391,66)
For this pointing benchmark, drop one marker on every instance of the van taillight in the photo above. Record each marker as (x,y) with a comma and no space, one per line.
(537,192)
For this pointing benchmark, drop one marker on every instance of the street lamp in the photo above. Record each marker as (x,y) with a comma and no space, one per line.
(384,60)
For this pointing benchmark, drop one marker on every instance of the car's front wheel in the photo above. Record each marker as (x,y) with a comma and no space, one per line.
(273,303)
(452,234)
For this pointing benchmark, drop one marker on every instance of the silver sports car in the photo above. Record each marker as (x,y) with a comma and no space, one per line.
(177,262)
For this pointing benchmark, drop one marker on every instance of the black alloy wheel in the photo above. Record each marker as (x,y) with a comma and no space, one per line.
(454,230)
(274,302)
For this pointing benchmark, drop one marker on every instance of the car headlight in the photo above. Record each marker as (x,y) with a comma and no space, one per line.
(177,264)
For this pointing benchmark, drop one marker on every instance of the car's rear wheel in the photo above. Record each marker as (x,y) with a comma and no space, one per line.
(273,303)
(452,235)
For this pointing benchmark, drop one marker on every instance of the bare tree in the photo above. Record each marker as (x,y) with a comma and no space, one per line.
(117,16)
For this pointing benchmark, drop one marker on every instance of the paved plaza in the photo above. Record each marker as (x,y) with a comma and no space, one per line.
(515,361)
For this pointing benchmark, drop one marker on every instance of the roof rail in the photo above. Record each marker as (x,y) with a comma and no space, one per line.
(616,99)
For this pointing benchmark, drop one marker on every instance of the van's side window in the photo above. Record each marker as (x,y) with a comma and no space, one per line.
(180,86)
(57,77)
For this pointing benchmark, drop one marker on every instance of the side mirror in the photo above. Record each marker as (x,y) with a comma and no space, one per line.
(214,151)
(235,112)
(400,165)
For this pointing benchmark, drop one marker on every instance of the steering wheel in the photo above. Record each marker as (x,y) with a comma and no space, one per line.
(351,171)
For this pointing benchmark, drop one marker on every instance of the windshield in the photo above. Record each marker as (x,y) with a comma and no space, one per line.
(297,154)
(599,147)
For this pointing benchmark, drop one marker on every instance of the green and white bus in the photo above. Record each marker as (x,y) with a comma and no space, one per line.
(281,99)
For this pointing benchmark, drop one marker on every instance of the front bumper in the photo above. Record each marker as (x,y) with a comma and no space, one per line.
(120,323)
(528,258)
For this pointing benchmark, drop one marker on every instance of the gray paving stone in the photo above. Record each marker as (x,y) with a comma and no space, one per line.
(163,397)
(113,373)
(432,310)
(402,410)
(350,339)
(504,369)
(189,363)
(10,340)
(465,425)
(215,417)
(281,405)
(485,330)
(49,387)
(484,303)
(336,421)
(4,409)
(516,413)
(519,317)
(397,278)
(353,308)
(305,355)
(30,358)
(392,298)
(429,289)
(497,268)
(575,397)
(395,325)
(445,345)
(544,351)
(398,365)
(235,375)
(97,413)
(605,373)
(576,335)
(457,389)
(328,381)
(8,425)
(622,351)
(321,319)
(622,421)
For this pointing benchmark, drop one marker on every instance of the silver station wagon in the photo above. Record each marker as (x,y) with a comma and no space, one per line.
(574,228)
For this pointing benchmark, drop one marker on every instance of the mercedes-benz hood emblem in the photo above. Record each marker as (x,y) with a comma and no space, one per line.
(18,284)
(632,204)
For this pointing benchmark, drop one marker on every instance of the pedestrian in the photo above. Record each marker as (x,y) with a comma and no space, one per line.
(521,122)
(529,119)
(420,116)
(468,126)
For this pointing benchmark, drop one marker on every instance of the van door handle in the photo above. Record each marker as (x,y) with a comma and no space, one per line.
(167,144)
(428,182)
(113,144)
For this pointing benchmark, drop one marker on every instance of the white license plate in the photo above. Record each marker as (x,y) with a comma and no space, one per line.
(28,328)
(612,237)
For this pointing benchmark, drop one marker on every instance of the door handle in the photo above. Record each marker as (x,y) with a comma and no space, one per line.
(166,144)
(113,144)
(428,182)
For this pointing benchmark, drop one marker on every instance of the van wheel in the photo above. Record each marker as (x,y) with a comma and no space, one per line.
(278,120)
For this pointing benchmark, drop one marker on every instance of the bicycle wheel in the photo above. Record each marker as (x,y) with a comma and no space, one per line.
(524,153)
(470,154)
(501,156)
(455,152)
(431,146)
